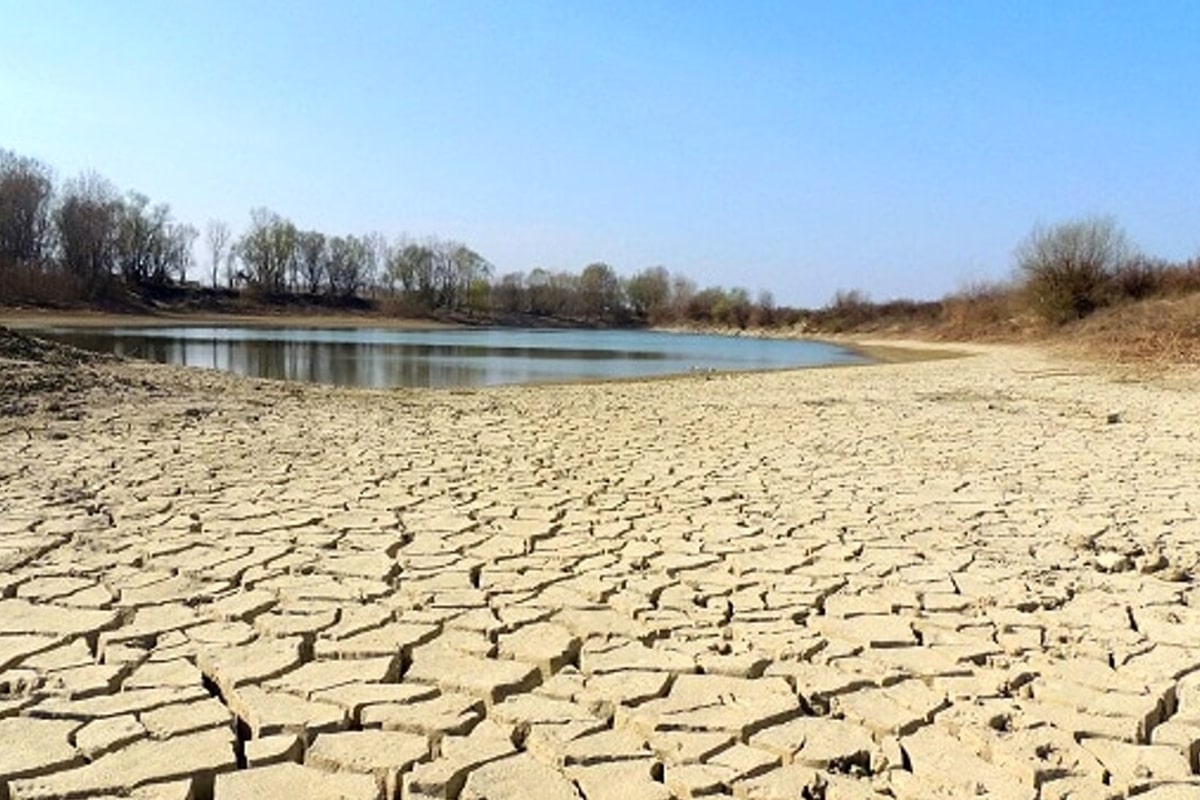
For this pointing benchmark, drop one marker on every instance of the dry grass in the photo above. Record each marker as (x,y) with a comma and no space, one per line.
(32,285)
(1149,315)
(1161,332)
(983,312)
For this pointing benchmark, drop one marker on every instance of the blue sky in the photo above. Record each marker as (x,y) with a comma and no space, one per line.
(902,148)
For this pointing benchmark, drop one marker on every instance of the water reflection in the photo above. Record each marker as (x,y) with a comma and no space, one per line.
(380,358)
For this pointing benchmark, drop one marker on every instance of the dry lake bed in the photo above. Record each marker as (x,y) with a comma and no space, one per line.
(955,578)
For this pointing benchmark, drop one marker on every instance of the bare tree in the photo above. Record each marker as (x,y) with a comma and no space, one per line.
(233,275)
(376,250)
(140,229)
(411,264)
(26,189)
(312,254)
(683,292)
(173,257)
(649,293)
(509,293)
(1068,267)
(87,221)
(599,293)
(268,250)
(217,236)
(347,265)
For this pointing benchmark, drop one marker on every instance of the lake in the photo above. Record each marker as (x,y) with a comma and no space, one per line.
(381,357)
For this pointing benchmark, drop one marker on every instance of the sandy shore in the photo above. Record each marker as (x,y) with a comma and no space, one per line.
(41,318)
(969,577)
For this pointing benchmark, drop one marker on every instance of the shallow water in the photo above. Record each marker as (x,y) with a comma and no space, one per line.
(380,357)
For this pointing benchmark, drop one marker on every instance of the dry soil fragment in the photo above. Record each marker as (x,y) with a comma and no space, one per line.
(384,755)
(199,757)
(520,777)
(295,782)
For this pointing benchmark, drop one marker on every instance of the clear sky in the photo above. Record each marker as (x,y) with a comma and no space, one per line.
(902,148)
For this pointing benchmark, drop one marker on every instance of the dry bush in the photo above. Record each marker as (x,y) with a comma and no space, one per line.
(1068,268)
(1137,279)
(853,312)
(1162,331)
(39,286)
(1178,280)
(848,311)
(1142,278)
(982,309)
(402,306)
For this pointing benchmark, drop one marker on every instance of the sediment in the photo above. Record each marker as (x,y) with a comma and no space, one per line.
(941,579)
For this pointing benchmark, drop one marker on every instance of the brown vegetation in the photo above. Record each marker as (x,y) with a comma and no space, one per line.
(1079,284)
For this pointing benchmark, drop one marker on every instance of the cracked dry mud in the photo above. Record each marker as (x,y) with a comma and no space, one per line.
(935,580)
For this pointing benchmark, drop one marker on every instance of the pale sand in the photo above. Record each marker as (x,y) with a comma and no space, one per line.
(913,581)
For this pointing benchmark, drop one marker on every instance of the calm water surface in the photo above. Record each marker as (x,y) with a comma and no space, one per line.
(379,357)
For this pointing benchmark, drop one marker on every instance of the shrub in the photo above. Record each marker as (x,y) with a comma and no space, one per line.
(1068,268)
(31,284)
(1138,279)
(1181,279)
(980,308)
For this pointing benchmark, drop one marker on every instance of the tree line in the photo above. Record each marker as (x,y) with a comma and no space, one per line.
(82,240)
(86,230)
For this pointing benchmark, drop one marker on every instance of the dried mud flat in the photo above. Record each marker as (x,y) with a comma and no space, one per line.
(934,580)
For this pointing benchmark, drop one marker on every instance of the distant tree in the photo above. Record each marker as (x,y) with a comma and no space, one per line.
(564,291)
(26,225)
(649,293)
(216,236)
(509,294)
(412,265)
(141,239)
(377,252)
(312,258)
(1067,268)
(736,308)
(540,292)
(268,250)
(445,273)
(479,292)
(599,292)
(87,222)
(683,290)
(173,257)
(347,265)
(763,313)
(235,276)
(472,275)
(708,305)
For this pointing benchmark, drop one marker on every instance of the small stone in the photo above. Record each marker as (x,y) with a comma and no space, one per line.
(1113,562)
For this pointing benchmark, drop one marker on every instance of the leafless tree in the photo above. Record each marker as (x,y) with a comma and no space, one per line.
(599,293)
(26,192)
(217,237)
(649,293)
(268,250)
(87,223)
(312,255)
(1067,267)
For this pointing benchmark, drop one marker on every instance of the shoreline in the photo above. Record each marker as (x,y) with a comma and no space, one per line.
(31,319)
(875,350)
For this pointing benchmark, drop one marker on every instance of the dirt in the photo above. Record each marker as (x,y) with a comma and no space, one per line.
(37,374)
